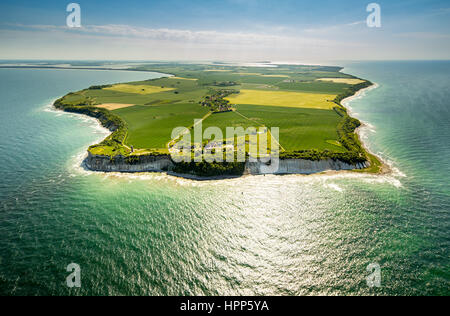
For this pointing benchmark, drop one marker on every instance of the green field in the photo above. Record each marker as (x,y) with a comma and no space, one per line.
(151,126)
(228,119)
(292,98)
(299,128)
(314,87)
(138,89)
(287,99)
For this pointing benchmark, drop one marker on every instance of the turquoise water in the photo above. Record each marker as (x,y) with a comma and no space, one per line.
(157,235)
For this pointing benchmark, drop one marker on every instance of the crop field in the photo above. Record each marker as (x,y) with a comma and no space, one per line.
(114,106)
(300,129)
(228,119)
(284,99)
(139,89)
(152,126)
(179,78)
(342,80)
(314,87)
(181,94)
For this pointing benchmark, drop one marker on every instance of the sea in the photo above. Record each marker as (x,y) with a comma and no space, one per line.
(154,234)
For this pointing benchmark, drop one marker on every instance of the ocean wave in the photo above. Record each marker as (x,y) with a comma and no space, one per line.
(327,180)
(334,186)
(93,123)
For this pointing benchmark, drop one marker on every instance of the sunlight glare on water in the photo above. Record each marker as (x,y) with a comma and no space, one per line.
(153,234)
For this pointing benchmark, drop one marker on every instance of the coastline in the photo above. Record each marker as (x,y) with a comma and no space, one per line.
(385,168)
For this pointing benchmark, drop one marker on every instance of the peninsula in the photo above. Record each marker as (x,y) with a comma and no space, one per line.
(316,133)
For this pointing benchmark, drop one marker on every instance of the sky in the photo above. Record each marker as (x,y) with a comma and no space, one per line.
(300,31)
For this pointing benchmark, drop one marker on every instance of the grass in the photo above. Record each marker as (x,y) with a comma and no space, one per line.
(152,126)
(228,119)
(224,120)
(184,92)
(314,87)
(78,98)
(108,151)
(139,89)
(376,165)
(300,129)
(276,76)
(334,142)
(180,78)
(114,106)
(236,120)
(284,99)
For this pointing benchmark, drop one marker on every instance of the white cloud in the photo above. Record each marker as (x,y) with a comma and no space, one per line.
(334,28)
(178,35)
(352,41)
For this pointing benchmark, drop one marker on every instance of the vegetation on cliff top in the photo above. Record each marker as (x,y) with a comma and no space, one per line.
(314,129)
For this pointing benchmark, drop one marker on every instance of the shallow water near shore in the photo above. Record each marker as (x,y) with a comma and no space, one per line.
(153,234)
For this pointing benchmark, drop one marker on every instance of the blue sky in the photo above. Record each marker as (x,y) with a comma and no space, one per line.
(283,30)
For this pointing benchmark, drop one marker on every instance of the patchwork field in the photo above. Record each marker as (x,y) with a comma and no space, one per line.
(299,128)
(284,99)
(299,100)
(314,87)
(139,89)
(228,119)
(151,126)
(114,106)
(179,78)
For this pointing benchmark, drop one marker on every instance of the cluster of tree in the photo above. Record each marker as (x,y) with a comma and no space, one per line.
(350,157)
(225,84)
(215,100)
(100,87)
(347,137)
(351,91)
(136,160)
(346,130)
(206,169)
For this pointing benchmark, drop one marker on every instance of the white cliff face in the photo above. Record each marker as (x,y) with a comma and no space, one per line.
(164,163)
(119,164)
(300,166)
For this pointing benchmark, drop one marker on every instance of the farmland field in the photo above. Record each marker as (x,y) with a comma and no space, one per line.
(114,106)
(299,128)
(151,126)
(342,80)
(228,119)
(284,99)
(139,89)
(314,87)
(299,100)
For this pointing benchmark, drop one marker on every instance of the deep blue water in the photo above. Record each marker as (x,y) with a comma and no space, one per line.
(157,235)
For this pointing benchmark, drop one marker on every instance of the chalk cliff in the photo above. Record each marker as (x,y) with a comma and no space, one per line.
(122,164)
(164,163)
